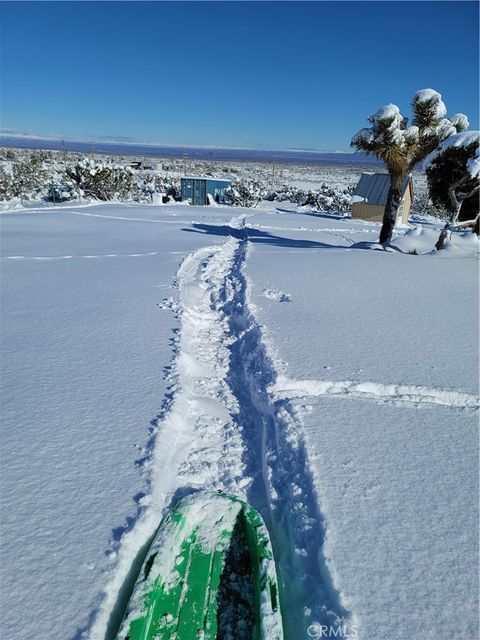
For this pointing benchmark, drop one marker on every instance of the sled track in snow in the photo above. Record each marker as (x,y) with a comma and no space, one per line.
(276,461)
(222,428)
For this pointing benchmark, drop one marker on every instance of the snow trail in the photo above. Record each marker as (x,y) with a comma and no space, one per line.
(282,487)
(195,444)
(222,429)
(86,257)
(127,219)
(392,393)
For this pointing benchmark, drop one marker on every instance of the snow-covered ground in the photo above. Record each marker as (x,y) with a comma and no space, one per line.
(151,351)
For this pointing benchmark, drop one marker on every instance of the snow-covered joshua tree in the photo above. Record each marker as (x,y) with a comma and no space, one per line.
(402,147)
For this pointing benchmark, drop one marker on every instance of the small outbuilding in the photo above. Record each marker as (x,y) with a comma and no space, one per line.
(197,189)
(370,197)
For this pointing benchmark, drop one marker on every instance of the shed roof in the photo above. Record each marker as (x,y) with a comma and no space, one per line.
(205,178)
(373,187)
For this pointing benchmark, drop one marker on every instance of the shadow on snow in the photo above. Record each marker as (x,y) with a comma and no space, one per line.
(257,236)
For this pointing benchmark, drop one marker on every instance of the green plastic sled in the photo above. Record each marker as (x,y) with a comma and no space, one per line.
(209,575)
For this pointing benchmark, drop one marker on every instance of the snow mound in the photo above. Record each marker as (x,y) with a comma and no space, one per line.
(462,139)
(425,95)
(388,111)
(419,240)
(460,120)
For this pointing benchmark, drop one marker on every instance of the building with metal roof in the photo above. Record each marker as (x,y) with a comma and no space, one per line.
(370,197)
(196,189)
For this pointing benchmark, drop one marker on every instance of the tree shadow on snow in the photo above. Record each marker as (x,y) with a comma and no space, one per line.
(376,246)
(258,236)
(312,214)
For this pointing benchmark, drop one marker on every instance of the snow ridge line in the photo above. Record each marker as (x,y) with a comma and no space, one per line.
(394,393)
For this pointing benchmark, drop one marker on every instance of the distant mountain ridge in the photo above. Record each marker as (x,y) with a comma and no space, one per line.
(296,156)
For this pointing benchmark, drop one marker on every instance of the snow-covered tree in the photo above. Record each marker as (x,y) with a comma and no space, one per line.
(402,147)
(453,175)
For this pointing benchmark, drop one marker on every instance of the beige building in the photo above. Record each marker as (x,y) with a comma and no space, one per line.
(370,197)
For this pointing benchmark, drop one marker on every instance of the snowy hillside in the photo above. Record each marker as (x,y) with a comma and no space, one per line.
(150,351)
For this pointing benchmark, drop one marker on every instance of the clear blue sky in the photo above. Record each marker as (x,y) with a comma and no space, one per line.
(251,74)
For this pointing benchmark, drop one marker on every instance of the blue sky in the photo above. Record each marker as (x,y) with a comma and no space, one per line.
(273,75)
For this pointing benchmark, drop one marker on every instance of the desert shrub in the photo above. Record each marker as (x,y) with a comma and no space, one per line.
(99,180)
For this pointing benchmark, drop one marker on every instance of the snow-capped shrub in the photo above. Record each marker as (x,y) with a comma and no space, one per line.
(244,194)
(6,185)
(28,177)
(38,174)
(325,199)
(423,206)
(142,189)
(58,192)
(100,180)
(7,154)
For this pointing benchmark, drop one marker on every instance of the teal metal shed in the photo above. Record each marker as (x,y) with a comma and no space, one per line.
(197,188)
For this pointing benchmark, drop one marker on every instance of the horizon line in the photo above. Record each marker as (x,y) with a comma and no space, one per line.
(5,134)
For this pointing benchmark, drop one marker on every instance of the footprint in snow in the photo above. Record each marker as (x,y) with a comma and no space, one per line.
(169,304)
(279,296)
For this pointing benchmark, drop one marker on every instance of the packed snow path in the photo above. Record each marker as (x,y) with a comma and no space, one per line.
(223,429)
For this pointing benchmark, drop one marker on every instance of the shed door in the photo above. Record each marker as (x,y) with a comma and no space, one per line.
(186,189)
(199,192)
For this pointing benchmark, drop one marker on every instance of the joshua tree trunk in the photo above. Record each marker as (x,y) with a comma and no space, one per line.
(447,229)
(456,199)
(391,208)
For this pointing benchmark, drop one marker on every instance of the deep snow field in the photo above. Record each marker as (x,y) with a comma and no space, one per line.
(151,351)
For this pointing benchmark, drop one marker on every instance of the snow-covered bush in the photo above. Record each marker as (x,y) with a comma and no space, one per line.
(244,194)
(59,192)
(142,188)
(27,178)
(326,198)
(145,184)
(31,175)
(99,180)
(7,154)
(6,185)
(453,175)
(424,206)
